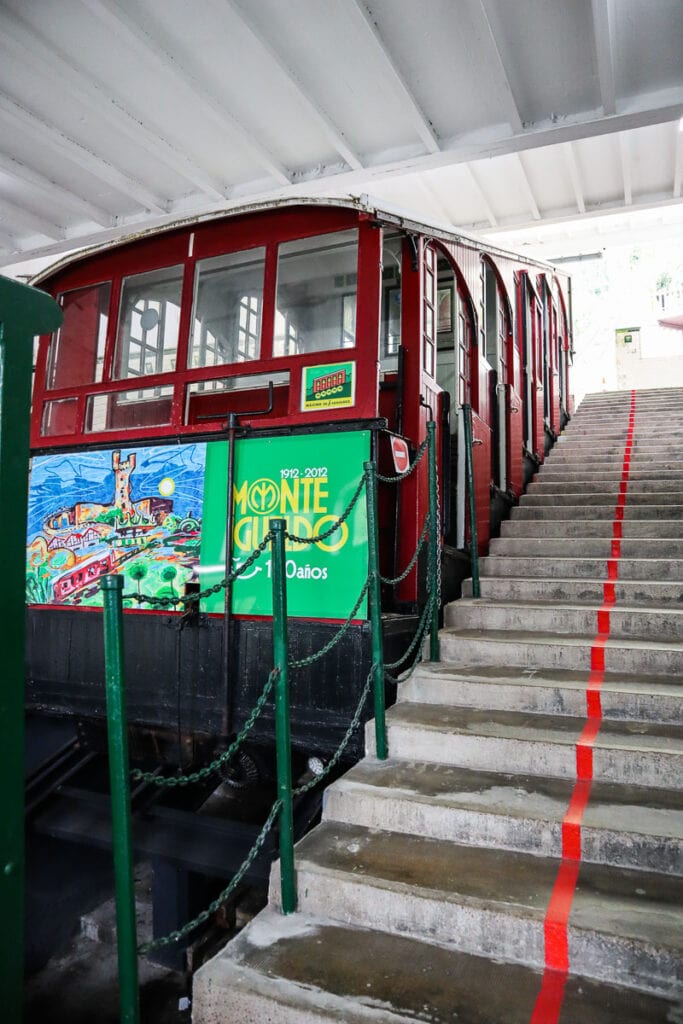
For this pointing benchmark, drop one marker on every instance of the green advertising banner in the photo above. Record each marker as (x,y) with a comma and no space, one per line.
(307,480)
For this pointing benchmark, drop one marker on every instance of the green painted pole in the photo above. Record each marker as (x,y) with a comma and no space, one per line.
(283,744)
(375,600)
(24,312)
(434,542)
(126,934)
(469,471)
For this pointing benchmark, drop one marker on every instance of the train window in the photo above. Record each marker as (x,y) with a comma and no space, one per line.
(491,316)
(149,318)
(125,410)
(60,417)
(77,348)
(430,310)
(392,249)
(228,306)
(316,294)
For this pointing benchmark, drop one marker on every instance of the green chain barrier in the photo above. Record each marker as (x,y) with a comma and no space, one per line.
(312,658)
(215,905)
(335,526)
(336,757)
(411,468)
(166,602)
(413,561)
(202,773)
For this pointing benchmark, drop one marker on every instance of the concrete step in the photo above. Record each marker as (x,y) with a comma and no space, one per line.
(623,825)
(632,593)
(585,455)
(525,649)
(492,902)
(565,474)
(543,692)
(661,529)
(658,449)
(590,513)
(657,428)
(554,567)
(302,969)
(628,753)
(665,624)
(673,497)
(636,485)
(587,547)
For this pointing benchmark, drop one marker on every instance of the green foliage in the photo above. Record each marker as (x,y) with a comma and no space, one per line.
(109,517)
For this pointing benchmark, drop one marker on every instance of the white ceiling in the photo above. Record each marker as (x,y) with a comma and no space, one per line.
(490,115)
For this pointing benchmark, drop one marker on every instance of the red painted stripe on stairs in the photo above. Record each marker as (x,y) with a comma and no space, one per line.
(549,1001)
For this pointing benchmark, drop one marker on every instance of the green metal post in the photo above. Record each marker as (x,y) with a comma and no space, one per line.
(24,312)
(434,542)
(375,601)
(126,935)
(469,471)
(283,743)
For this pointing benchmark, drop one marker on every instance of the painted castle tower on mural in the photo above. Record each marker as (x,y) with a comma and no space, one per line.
(148,538)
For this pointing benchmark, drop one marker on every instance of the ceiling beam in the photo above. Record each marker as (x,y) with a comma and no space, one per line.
(70,78)
(654,201)
(678,160)
(527,189)
(575,175)
(490,215)
(315,111)
(153,53)
(625,161)
(8,241)
(604,51)
(55,141)
(496,68)
(654,108)
(20,172)
(32,222)
(412,108)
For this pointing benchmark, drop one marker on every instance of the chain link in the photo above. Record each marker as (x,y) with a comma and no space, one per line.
(411,468)
(166,602)
(202,773)
(420,632)
(312,658)
(335,526)
(411,565)
(181,933)
(334,760)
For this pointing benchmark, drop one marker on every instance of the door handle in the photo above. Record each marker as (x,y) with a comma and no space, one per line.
(514,408)
(476,441)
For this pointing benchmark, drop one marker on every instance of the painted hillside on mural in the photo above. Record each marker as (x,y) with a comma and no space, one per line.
(136,512)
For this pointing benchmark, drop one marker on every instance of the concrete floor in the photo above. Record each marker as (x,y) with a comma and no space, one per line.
(80,986)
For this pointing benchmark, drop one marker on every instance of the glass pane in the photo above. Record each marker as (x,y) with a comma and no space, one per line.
(316,294)
(60,417)
(77,348)
(392,249)
(124,410)
(147,339)
(228,305)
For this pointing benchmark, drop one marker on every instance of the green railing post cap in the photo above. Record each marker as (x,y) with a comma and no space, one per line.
(111,583)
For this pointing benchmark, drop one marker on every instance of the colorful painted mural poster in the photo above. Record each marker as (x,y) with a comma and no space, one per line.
(134,511)
(156,516)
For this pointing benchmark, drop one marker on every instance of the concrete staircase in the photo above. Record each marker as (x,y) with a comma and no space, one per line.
(435,888)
